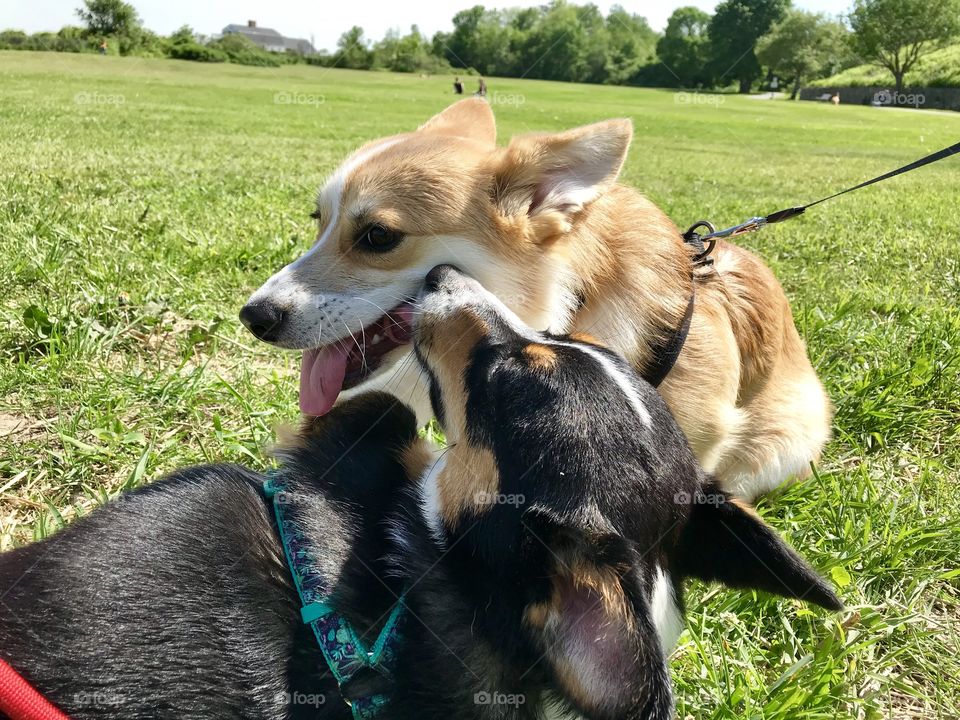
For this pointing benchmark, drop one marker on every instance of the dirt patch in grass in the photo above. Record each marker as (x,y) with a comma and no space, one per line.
(10,424)
(17,426)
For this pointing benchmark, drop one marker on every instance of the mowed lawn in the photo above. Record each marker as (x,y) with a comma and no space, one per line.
(142,200)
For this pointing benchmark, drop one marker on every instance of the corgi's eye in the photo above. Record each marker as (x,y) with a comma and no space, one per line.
(316,214)
(379,239)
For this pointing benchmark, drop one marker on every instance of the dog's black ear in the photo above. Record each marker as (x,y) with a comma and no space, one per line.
(357,453)
(726,541)
(596,631)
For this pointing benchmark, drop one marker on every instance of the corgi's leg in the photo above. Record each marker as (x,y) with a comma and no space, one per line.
(702,392)
(786,426)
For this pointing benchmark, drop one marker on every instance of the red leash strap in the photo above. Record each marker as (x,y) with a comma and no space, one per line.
(20,701)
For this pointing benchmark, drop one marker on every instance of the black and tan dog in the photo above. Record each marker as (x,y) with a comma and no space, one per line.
(560,523)
(542,555)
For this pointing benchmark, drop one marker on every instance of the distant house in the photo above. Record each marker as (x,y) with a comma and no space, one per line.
(270,39)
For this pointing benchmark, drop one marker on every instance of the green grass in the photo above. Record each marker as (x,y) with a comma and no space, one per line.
(938,69)
(144,199)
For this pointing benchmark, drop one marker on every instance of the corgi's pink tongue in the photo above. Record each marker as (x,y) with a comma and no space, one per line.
(321,378)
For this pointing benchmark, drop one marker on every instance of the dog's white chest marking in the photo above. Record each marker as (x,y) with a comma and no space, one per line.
(430,497)
(666,615)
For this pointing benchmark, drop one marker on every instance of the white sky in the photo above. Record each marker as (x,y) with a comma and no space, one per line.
(322,20)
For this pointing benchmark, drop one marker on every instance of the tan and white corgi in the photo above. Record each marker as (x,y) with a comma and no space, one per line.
(543,224)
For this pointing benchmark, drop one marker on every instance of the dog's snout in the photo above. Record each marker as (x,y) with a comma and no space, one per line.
(263,319)
(438,276)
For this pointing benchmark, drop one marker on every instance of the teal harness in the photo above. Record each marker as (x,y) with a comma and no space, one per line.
(342,648)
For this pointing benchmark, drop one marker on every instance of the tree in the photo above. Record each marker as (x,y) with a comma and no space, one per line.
(631,43)
(684,48)
(895,34)
(492,46)
(184,34)
(557,45)
(803,45)
(556,41)
(352,51)
(734,30)
(407,53)
(109,17)
(460,46)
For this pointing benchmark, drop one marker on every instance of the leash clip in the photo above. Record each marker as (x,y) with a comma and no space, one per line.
(692,237)
(751,225)
(705,243)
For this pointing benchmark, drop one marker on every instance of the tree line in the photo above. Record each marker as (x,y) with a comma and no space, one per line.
(742,45)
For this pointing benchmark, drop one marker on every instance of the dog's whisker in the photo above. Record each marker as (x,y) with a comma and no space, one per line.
(403,369)
(371,302)
(407,300)
(354,338)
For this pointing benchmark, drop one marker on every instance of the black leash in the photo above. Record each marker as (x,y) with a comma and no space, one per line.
(706,243)
(665,355)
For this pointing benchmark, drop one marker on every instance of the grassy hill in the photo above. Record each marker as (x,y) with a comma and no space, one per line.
(938,69)
(143,200)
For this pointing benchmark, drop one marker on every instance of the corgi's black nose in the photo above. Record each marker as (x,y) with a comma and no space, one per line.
(436,277)
(263,319)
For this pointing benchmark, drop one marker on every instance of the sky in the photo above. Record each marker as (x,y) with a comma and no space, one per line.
(325,20)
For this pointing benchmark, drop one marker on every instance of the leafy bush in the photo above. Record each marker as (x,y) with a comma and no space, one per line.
(13,40)
(243,51)
(72,39)
(42,41)
(191,50)
(68,39)
(184,34)
(321,59)
(145,44)
(655,74)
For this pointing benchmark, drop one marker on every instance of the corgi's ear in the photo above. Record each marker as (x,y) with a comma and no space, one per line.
(551,177)
(471,118)
(596,630)
(727,542)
